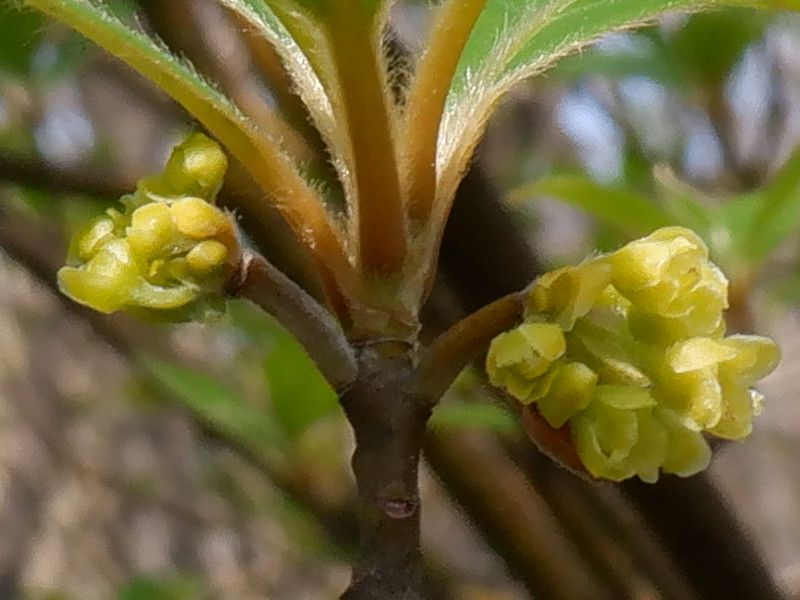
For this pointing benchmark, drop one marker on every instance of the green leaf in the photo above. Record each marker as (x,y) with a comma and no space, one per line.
(787,289)
(747,229)
(516,39)
(222,409)
(709,45)
(621,208)
(459,414)
(778,210)
(648,62)
(739,214)
(731,224)
(702,51)
(688,211)
(20,34)
(177,588)
(144,54)
(685,205)
(299,394)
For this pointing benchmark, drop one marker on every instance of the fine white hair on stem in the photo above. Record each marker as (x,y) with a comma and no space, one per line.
(318,95)
(512,58)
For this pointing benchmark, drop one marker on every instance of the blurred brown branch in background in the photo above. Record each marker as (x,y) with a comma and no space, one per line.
(40,174)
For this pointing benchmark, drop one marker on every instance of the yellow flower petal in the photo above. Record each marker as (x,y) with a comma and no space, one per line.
(624,396)
(737,416)
(196,167)
(91,240)
(197,219)
(106,282)
(151,230)
(571,390)
(207,256)
(687,451)
(754,358)
(651,447)
(518,357)
(603,439)
(698,353)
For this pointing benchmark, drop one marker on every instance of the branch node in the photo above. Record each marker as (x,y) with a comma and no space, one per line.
(398,508)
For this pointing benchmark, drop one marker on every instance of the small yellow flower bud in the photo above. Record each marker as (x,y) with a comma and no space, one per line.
(151,231)
(738,409)
(687,451)
(196,168)
(197,219)
(652,446)
(655,260)
(668,274)
(604,437)
(704,376)
(613,356)
(568,294)
(207,256)
(571,391)
(99,232)
(754,357)
(519,357)
(105,281)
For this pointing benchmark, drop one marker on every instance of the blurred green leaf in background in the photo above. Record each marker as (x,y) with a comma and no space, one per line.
(174,588)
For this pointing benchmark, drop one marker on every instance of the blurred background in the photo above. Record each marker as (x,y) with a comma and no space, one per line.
(211,461)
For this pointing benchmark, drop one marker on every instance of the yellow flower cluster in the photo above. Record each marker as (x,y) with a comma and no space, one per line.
(168,253)
(628,351)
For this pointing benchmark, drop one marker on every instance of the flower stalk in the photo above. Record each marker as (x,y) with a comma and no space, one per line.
(311,324)
(451,352)
(379,212)
(426,100)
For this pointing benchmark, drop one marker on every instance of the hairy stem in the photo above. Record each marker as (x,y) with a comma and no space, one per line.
(355,45)
(271,68)
(426,101)
(389,425)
